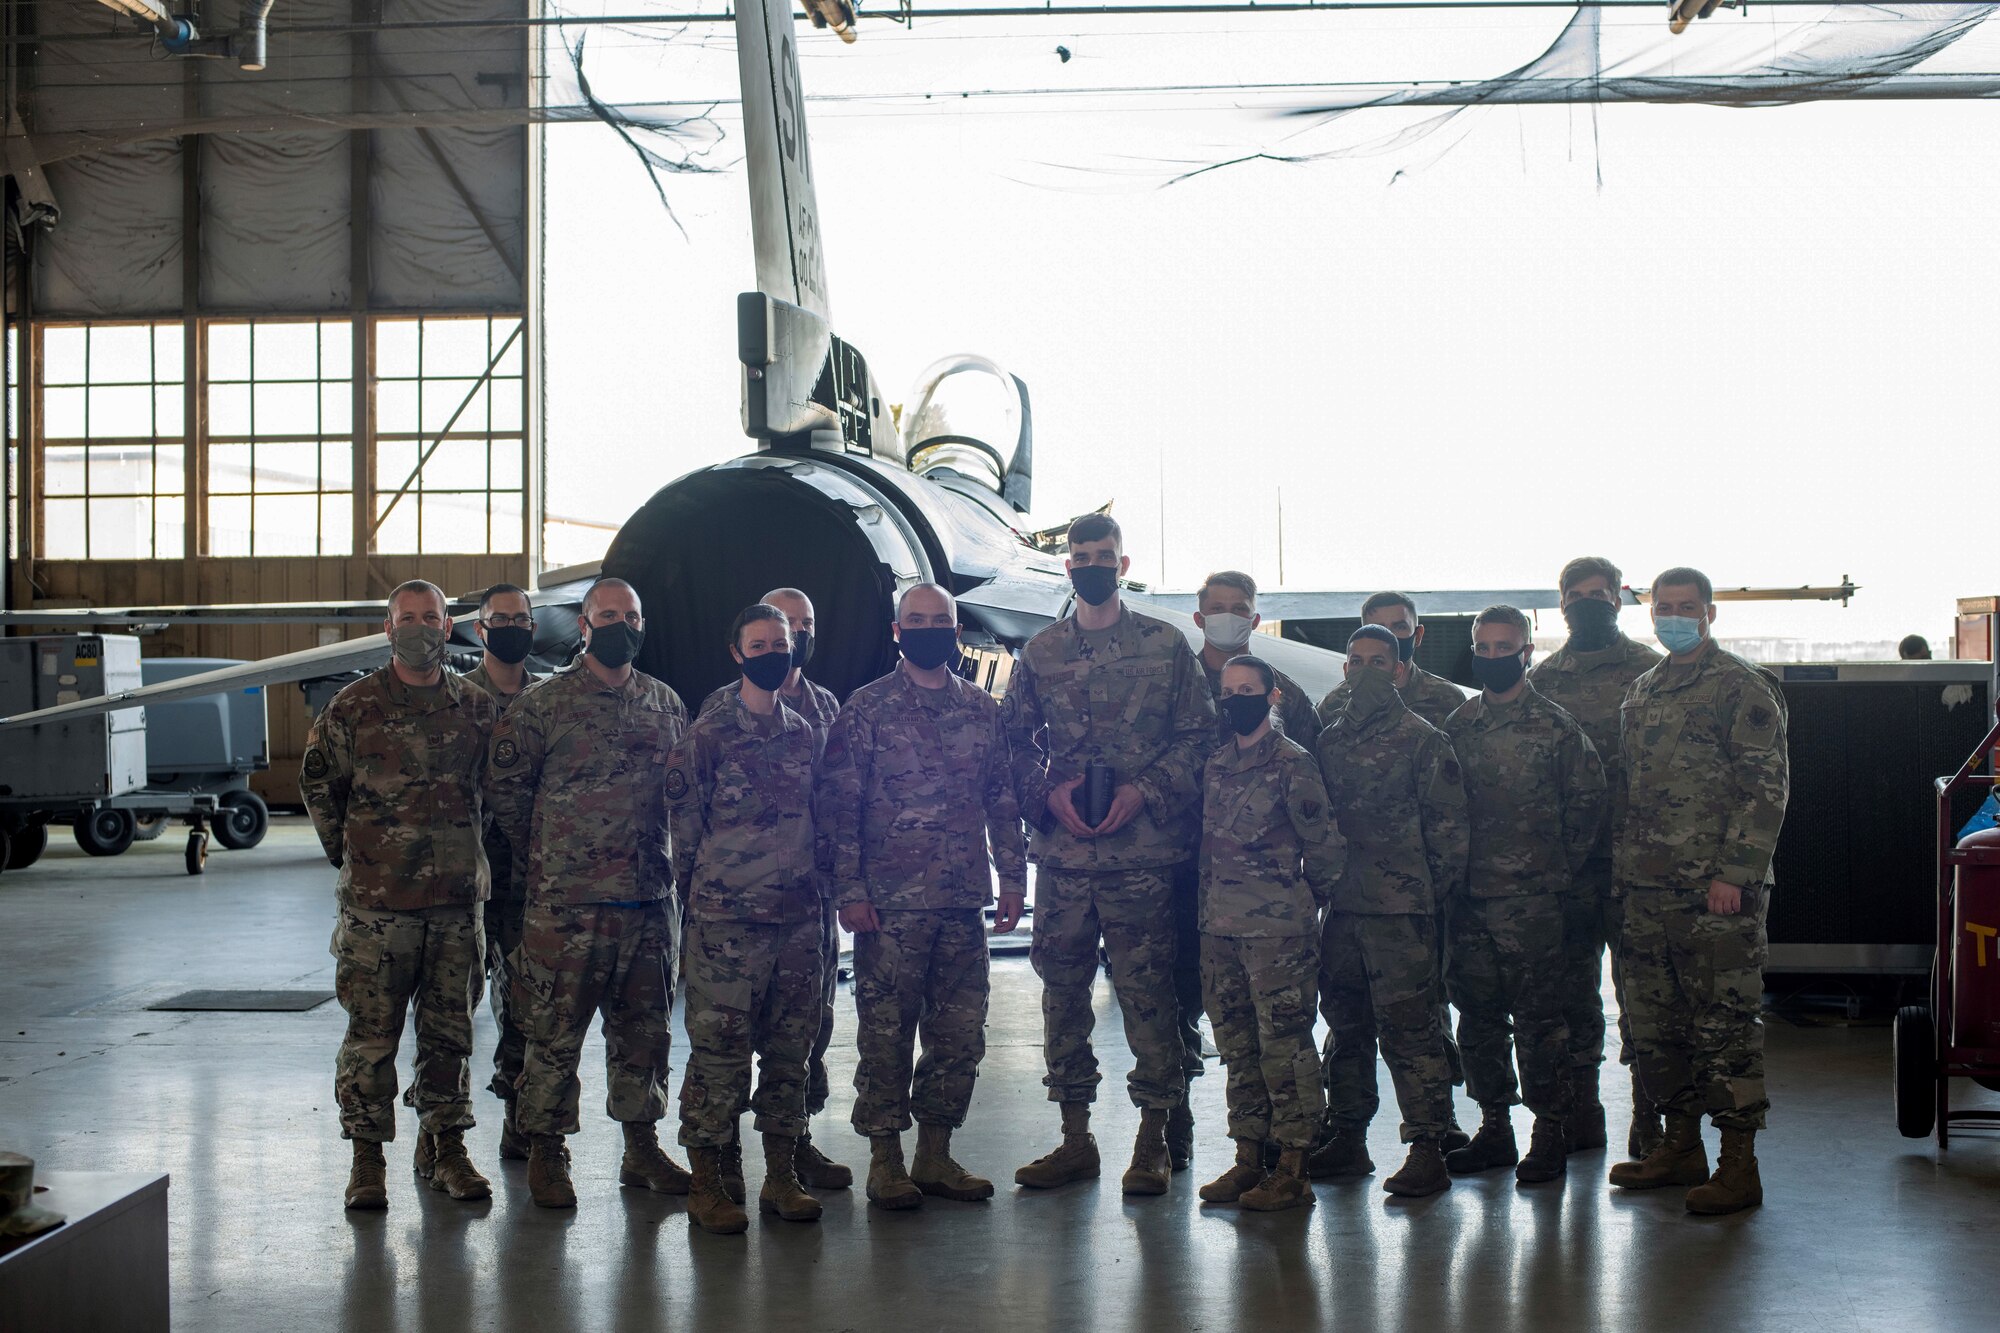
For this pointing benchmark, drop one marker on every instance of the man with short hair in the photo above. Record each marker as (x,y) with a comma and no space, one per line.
(818,706)
(1534,793)
(1110,694)
(1587,678)
(391,777)
(1914,648)
(916,791)
(506,626)
(1430,697)
(1399,799)
(1707,781)
(577,783)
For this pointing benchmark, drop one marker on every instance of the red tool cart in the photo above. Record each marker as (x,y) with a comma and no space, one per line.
(1956,1035)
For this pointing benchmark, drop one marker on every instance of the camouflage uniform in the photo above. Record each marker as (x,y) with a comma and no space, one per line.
(816,704)
(1430,697)
(1131,696)
(915,788)
(740,788)
(1534,793)
(505,911)
(1270,856)
(1399,799)
(1590,687)
(577,783)
(1707,779)
(391,777)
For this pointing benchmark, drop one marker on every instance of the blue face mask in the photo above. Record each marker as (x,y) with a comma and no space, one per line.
(1680,634)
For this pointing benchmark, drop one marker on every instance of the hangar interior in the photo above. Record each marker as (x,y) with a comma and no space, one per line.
(272,336)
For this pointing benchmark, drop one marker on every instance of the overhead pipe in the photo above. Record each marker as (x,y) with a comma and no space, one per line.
(252,39)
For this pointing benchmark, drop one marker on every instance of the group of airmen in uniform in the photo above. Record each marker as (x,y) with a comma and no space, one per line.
(575,845)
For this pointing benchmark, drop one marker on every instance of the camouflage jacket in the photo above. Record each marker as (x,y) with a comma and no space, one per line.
(577,779)
(1399,798)
(914,789)
(815,703)
(1534,792)
(1590,687)
(740,787)
(1295,715)
(1270,852)
(479,677)
(1706,773)
(1432,698)
(392,779)
(1131,696)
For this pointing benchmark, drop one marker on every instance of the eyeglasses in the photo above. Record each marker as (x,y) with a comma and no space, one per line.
(526,621)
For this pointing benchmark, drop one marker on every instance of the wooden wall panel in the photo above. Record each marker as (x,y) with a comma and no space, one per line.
(70,583)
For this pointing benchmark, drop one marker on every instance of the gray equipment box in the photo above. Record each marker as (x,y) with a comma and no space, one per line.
(213,735)
(80,758)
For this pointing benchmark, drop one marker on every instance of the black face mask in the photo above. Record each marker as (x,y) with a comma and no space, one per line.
(615,644)
(509,643)
(1498,674)
(802,648)
(1094,583)
(928,649)
(1245,712)
(1592,624)
(1406,648)
(767,671)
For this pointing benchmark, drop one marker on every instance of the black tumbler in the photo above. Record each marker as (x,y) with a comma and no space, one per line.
(1099,781)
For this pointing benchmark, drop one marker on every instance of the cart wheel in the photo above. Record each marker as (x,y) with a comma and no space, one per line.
(1916,1071)
(105,832)
(27,846)
(149,826)
(243,821)
(197,852)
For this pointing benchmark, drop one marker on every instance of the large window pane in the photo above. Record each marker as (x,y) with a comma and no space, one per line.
(286,351)
(396,408)
(121,529)
(67,534)
(111,393)
(229,525)
(64,414)
(63,356)
(336,524)
(398,532)
(286,409)
(121,354)
(285,524)
(507,464)
(457,465)
(287,466)
(228,352)
(123,412)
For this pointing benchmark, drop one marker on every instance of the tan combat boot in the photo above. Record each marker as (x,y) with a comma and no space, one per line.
(1075,1159)
(646,1164)
(548,1172)
(368,1181)
(729,1162)
(782,1194)
(818,1171)
(452,1170)
(1243,1175)
(1423,1171)
(1493,1146)
(709,1205)
(1548,1153)
(513,1143)
(1735,1184)
(889,1186)
(1342,1151)
(1678,1160)
(935,1172)
(1286,1187)
(1152,1171)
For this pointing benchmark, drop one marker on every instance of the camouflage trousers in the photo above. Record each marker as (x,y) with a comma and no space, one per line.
(577,961)
(384,963)
(923,974)
(1133,912)
(1695,982)
(1378,981)
(752,990)
(1260,1001)
(504,918)
(1506,978)
(1189,995)
(1593,924)
(817,1083)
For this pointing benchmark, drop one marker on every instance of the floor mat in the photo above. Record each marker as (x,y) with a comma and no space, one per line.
(246,1001)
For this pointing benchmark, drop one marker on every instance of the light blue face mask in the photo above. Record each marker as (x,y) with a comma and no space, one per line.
(1680,634)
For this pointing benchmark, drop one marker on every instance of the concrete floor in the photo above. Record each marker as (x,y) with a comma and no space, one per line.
(1863,1229)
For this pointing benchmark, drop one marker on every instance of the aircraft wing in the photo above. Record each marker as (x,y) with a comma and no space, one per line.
(1317,670)
(328,660)
(1280,604)
(561,587)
